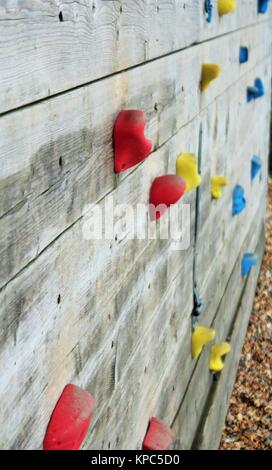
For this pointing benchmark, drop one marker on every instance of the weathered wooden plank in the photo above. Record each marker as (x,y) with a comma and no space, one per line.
(215,269)
(213,419)
(71,245)
(89,290)
(54,274)
(80,120)
(78,357)
(102,373)
(83,335)
(245,14)
(47,47)
(235,228)
(64,54)
(215,220)
(141,388)
(144,188)
(49,172)
(192,406)
(117,423)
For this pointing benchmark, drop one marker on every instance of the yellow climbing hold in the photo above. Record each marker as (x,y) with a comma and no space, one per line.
(209,73)
(186,166)
(200,337)
(217,182)
(217,352)
(226,6)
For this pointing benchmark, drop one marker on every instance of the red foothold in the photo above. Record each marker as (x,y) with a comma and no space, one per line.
(130,144)
(165,190)
(70,420)
(158,437)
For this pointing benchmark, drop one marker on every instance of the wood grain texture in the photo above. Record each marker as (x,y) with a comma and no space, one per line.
(114,316)
(47,47)
(101,294)
(194,401)
(190,418)
(50,173)
(65,54)
(227,151)
(245,14)
(91,278)
(215,263)
(212,423)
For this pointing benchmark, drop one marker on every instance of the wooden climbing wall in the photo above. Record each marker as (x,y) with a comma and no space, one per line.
(100,314)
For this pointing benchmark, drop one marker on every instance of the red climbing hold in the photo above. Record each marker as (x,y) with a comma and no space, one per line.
(70,420)
(165,190)
(130,144)
(158,437)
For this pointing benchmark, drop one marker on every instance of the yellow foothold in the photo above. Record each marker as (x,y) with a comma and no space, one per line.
(226,6)
(209,73)
(217,182)
(186,166)
(200,337)
(217,352)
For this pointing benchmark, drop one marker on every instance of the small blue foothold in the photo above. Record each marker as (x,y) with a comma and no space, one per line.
(256,91)
(209,10)
(256,165)
(238,200)
(243,55)
(248,261)
(263,6)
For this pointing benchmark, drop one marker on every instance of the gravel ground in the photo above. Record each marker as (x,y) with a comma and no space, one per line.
(249,420)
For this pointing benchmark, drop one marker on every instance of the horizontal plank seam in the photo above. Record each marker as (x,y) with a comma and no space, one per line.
(212,322)
(137,345)
(39,254)
(131,267)
(132,67)
(68,174)
(130,175)
(155,149)
(214,385)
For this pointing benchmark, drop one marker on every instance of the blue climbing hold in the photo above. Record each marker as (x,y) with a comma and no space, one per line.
(249,260)
(256,91)
(256,165)
(263,6)
(238,200)
(243,55)
(209,10)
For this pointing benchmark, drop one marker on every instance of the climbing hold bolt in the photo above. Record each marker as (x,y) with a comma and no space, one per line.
(243,54)
(256,91)
(256,165)
(217,352)
(226,6)
(70,420)
(263,6)
(165,191)
(130,144)
(238,200)
(249,260)
(217,183)
(198,303)
(209,73)
(200,337)
(158,437)
(186,166)
(209,10)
